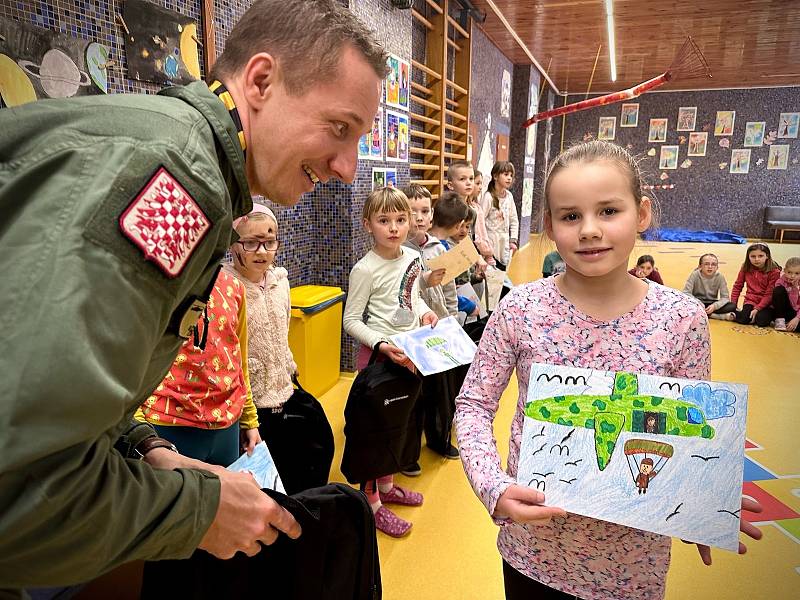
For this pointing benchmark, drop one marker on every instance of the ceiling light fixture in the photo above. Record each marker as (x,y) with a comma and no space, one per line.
(612,52)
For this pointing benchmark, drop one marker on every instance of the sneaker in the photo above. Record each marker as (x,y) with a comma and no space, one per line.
(412,470)
(451,453)
(720,317)
(390,524)
(780,324)
(399,495)
(731,316)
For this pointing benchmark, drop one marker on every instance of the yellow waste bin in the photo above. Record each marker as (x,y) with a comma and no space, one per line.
(315,335)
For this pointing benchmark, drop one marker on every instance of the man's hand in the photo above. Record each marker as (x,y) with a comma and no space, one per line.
(524,505)
(245,519)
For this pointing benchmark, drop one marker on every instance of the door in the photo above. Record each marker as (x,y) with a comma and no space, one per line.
(502,147)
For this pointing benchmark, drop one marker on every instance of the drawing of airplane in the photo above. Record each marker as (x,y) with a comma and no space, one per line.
(623,410)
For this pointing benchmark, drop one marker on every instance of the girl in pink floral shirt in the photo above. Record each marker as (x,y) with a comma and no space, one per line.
(597,316)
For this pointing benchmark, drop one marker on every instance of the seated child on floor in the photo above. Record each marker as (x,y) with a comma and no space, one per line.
(760,273)
(786,297)
(708,285)
(646,269)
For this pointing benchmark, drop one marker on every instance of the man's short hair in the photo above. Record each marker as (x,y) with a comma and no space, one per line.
(305,36)
(455,166)
(415,190)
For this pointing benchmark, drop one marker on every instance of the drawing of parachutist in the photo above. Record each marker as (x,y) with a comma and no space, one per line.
(439,344)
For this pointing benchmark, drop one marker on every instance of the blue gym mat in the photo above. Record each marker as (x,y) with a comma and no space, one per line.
(687,235)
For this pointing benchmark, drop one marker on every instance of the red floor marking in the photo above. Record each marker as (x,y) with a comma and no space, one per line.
(774,509)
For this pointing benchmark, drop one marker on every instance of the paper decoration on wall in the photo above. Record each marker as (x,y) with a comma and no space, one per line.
(666,186)
(383,178)
(588,136)
(396,136)
(722,165)
(438,349)
(527,197)
(651,152)
(724,122)
(687,116)
(698,140)
(759,161)
(160,44)
(668,159)
(778,157)
(725,143)
(370,145)
(740,161)
(771,137)
(530,133)
(40,63)
(681,140)
(607,128)
(505,95)
(663,177)
(788,125)
(686,163)
(754,133)
(658,130)
(97,59)
(485,156)
(629,116)
(655,453)
(688,63)
(397,82)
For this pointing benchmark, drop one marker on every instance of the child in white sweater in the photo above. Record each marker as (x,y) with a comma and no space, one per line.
(502,222)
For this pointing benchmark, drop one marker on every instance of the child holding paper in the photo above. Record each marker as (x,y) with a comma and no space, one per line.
(384,284)
(597,316)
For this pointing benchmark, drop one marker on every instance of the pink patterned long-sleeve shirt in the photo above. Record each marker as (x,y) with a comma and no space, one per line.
(666,334)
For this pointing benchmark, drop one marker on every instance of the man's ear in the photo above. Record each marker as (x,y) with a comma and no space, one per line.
(259,77)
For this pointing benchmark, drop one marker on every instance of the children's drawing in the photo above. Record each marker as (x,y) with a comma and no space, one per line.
(396,136)
(668,158)
(724,123)
(438,349)
(607,128)
(391,177)
(778,157)
(378,178)
(698,141)
(651,452)
(754,133)
(687,117)
(261,466)
(370,145)
(788,124)
(658,130)
(398,82)
(740,160)
(160,44)
(505,95)
(39,63)
(629,116)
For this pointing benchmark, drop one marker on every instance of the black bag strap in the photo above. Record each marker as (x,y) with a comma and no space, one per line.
(375,351)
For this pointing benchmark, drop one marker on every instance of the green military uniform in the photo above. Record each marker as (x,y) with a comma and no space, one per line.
(90,317)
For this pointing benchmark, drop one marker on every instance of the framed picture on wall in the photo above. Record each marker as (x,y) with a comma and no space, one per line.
(391,177)
(505,95)
(658,130)
(396,136)
(607,129)
(698,140)
(378,178)
(724,123)
(370,145)
(629,116)
(740,160)
(397,82)
(754,133)
(778,157)
(668,158)
(788,125)
(687,117)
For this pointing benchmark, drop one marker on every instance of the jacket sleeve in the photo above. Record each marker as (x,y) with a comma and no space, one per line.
(738,285)
(656,276)
(724,296)
(249,418)
(688,287)
(357,300)
(766,298)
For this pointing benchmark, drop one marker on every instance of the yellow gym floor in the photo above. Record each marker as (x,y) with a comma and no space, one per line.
(450,553)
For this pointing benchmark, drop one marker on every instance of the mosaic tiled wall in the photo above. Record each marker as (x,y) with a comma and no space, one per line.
(706,195)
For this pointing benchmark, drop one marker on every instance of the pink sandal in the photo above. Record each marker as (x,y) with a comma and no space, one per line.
(390,524)
(399,495)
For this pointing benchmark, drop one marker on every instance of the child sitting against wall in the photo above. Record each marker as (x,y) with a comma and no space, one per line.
(708,285)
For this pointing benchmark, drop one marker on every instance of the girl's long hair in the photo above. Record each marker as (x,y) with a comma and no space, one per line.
(501,166)
(770,264)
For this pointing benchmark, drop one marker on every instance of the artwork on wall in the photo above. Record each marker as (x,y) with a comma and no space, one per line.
(530,132)
(370,145)
(397,82)
(396,136)
(629,116)
(160,44)
(788,124)
(724,122)
(607,128)
(40,63)
(778,157)
(656,453)
(668,158)
(754,133)
(740,160)
(698,140)
(687,117)
(384,178)
(658,130)
(527,197)
(505,95)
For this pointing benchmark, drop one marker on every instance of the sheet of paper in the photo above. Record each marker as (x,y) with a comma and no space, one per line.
(455,261)
(469,292)
(656,453)
(261,465)
(438,349)
(494,284)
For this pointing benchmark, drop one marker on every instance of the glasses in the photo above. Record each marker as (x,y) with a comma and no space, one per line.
(254,245)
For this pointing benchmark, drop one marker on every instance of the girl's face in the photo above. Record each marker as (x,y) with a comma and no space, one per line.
(503,181)
(478,183)
(645,268)
(253,263)
(421,213)
(757,258)
(388,229)
(593,217)
(708,266)
(792,275)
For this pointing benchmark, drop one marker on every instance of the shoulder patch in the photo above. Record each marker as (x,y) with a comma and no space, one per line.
(165,222)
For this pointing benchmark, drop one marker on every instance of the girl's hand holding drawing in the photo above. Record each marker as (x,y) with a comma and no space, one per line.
(250,438)
(396,355)
(524,505)
(744,526)
(430,318)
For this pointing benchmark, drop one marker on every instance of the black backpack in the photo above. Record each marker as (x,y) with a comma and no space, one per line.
(383,421)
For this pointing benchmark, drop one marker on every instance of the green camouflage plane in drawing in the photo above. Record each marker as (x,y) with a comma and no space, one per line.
(624,410)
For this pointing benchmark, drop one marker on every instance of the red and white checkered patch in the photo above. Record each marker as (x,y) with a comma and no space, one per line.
(165,222)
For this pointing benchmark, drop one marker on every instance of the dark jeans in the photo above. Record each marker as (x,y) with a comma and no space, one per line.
(763,317)
(521,587)
(781,304)
(214,446)
(725,308)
